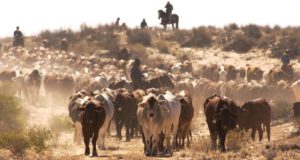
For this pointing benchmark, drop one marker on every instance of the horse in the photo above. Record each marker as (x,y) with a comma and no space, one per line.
(165,19)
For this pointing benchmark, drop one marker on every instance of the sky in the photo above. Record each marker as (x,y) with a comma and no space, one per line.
(34,16)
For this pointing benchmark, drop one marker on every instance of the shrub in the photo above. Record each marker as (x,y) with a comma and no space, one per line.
(162,46)
(200,37)
(17,143)
(138,50)
(252,31)
(11,114)
(38,137)
(239,43)
(136,36)
(60,123)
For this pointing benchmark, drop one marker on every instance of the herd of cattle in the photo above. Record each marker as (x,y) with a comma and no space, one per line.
(98,91)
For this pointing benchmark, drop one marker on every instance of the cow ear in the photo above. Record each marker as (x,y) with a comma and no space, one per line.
(142,105)
(166,109)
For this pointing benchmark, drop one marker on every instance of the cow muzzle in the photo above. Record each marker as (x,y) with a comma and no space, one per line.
(151,114)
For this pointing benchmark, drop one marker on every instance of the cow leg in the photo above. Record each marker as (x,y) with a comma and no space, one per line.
(155,139)
(222,135)
(167,140)
(94,141)
(268,127)
(260,133)
(102,133)
(119,125)
(78,133)
(147,141)
(253,133)
(213,135)
(86,137)
(128,126)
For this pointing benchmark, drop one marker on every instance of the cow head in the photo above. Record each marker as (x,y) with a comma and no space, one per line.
(244,116)
(154,108)
(226,115)
(91,109)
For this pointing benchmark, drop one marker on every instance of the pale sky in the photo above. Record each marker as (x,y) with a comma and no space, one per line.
(35,15)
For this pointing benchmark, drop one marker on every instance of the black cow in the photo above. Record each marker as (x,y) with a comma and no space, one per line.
(125,114)
(93,116)
(221,116)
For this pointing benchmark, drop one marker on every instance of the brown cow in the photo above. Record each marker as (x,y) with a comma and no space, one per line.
(92,118)
(211,72)
(32,84)
(125,113)
(185,119)
(59,86)
(254,114)
(221,116)
(254,73)
(279,73)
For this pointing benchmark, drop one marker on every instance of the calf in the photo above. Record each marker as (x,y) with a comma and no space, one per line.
(125,113)
(32,84)
(254,114)
(185,119)
(221,115)
(92,118)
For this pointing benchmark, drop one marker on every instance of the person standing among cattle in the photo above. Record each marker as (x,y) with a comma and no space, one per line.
(18,38)
(64,45)
(117,23)
(136,74)
(144,24)
(285,59)
(169,9)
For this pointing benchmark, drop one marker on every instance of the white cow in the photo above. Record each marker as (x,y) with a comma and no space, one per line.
(156,114)
(296,89)
(109,110)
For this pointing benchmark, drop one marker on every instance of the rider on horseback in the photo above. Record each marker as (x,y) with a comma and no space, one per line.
(169,9)
(136,75)
(18,37)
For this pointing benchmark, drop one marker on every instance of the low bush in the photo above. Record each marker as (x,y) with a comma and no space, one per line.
(136,36)
(12,116)
(60,123)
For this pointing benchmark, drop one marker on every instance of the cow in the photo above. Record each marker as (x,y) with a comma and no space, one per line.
(296,108)
(254,73)
(296,89)
(221,116)
(92,119)
(185,119)
(59,85)
(157,114)
(125,113)
(222,74)
(253,115)
(32,84)
(279,73)
(211,72)
(106,100)
(76,101)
